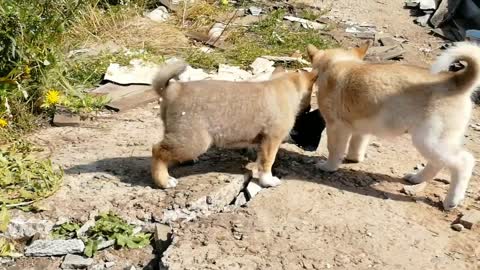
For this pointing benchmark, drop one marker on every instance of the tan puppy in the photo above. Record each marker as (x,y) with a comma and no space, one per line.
(358,99)
(200,114)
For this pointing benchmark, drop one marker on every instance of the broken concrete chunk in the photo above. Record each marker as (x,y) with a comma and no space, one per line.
(385,53)
(20,228)
(253,189)
(306,23)
(232,73)
(123,98)
(261,65)
(76,262)
(413,190)
(193,74)
(105,244)
(163,237)
(215,32)
(470,218)
(423,20)
(386,40)
(109,264)
(81,232)
(255,11)
(65,119)
(54,247)
(428,4)
(159,14)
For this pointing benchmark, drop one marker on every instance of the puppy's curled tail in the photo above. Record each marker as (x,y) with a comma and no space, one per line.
(466,80)
(165,73)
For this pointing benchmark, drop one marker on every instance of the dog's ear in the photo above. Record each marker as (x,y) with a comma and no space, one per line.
(361,51)
(312,51)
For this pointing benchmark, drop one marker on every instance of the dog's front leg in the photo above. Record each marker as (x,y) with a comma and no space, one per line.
(268,152)
(337,143)
(357,148)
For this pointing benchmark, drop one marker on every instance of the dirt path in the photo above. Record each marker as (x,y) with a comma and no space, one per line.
(356,218)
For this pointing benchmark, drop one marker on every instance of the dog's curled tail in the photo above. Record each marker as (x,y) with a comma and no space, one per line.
(466,80)
(165,73)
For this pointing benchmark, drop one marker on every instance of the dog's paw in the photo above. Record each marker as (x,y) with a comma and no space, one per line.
(452,202)
(413,178)
(268,180)
(326,166)
(172,182)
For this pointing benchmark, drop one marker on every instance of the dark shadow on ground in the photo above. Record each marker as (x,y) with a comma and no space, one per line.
(288,165)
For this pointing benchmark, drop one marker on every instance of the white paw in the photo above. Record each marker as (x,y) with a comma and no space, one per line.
(413,178)
(326,166)
(172,182)
(355,158)
(268,180)
(451,202)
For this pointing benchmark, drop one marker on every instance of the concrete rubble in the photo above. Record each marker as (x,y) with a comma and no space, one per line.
(306,23)
(159,14)
(252,189)
(19,228)
(470,219)
(76,262)
(42,248)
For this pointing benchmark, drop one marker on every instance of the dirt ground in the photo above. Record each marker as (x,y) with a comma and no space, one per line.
(356,218)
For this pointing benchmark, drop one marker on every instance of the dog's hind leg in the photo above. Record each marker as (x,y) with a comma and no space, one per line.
(175,148)
(445,151)
(357,148)
(266,158)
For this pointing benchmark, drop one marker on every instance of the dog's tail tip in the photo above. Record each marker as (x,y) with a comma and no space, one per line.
(166,72)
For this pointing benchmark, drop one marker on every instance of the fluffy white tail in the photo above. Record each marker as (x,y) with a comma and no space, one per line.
(469,78)
(165,73)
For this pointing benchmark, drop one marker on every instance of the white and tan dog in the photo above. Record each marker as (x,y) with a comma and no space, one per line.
(359,99)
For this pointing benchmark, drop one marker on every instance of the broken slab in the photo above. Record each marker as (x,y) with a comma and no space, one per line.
(261,65)
(76,262)
(253,188)
(42,248)
(385,53)
(306,23)
(126,97)
(193,74)
(386,40)
(137,72)
(241,199)
(470,219)
(231,73)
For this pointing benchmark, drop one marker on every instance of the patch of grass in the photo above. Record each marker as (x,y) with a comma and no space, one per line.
(199,59)
(205,13)
(24,179)
(108,226)
(310,14)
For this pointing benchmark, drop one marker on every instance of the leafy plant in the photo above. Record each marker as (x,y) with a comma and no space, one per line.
(25,179)
(7,249)
(67,230)
(4,219)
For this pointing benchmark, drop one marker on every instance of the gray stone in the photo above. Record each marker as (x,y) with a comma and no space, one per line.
(54,247)
(105,244)
(423,20)
(159,14)
(252,189)
(457,227)
(63,119)
(109,264)
(241,199)
(76,262)
(85,227)
(163,237)
(470,218)
(20,228)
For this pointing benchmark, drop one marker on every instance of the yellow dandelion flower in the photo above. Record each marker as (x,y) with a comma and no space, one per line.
(3,123)
(52,97)
(27,70)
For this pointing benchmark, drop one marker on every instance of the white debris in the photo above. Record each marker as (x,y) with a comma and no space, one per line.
(232,73)
(215,32)
(193,74)
(255,11)
(252,189)
(85,227)
(241,199)
(306,23)
(54,247)
(138,72)
(76,262)
(261,65)
(159,14)
(428,4)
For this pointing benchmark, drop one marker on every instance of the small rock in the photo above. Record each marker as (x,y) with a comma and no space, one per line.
(376,144)
(470,218)
(413,190)
(255,11)
(97,267)
(109,264)
(209,200)
(241,199)
(105,244)
(130,268)
(87,225)
(54,247)
(163,237)
(76,262)
(261,65)
(159,14)
(457,227)
(423,20)
(252,189)
(66,120)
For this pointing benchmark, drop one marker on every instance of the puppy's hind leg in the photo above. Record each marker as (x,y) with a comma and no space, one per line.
(357,148)
(266,158)
(161,157)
